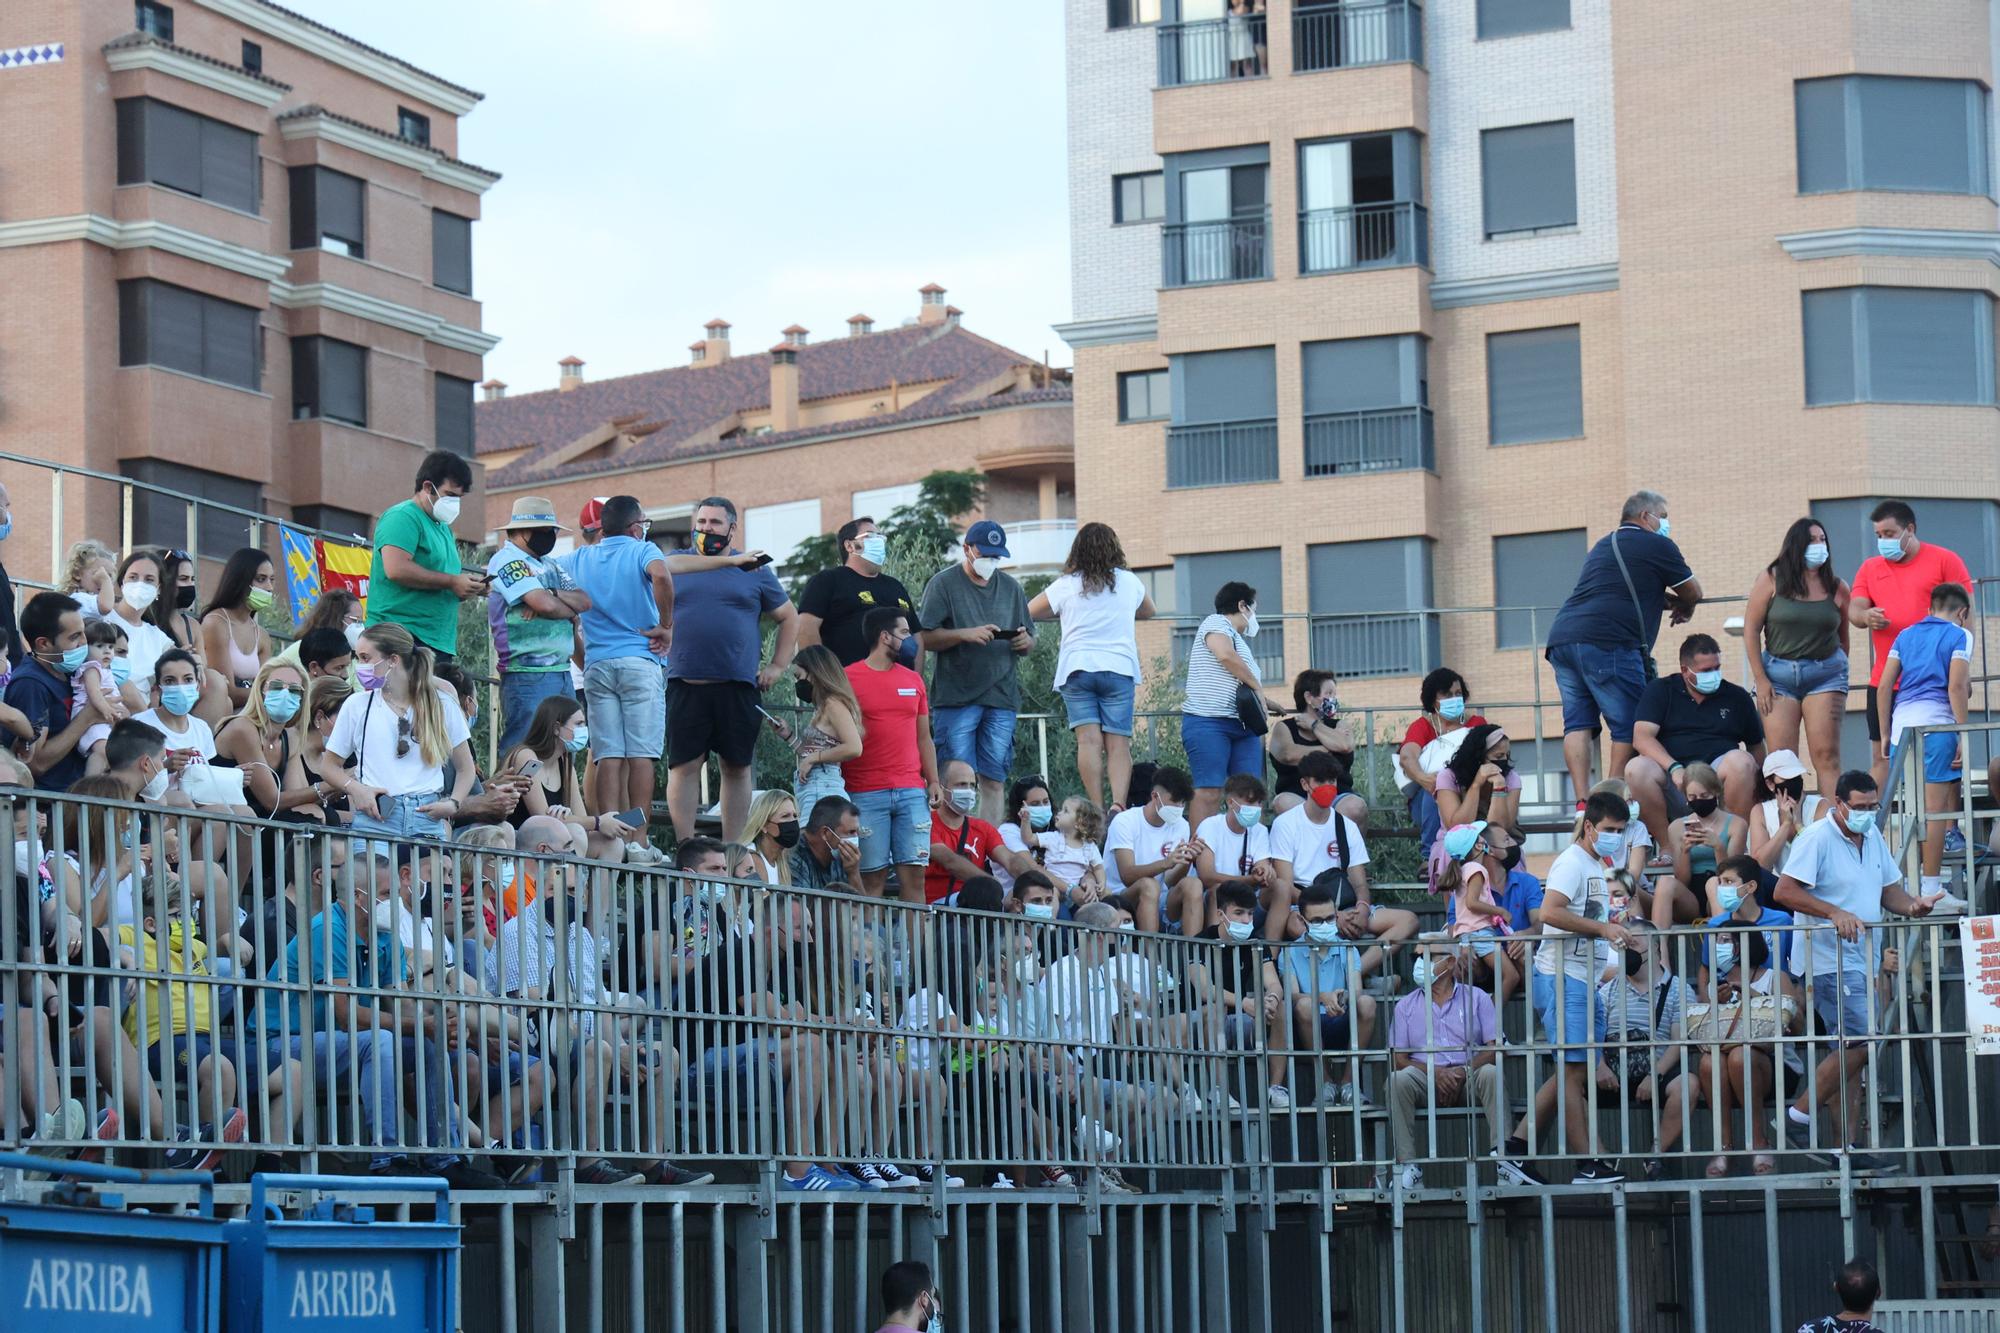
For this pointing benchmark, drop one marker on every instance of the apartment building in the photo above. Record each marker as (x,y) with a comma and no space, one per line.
(1384,307)
(803,436)
(236,252)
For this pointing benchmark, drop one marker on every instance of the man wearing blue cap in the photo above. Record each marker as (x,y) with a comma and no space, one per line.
(976,621)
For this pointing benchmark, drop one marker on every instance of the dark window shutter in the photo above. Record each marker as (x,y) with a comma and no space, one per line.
(343,382)
(1529,176)
(229,334)
(451,252)
(229,165)
(341,208)
(132,141)
(174,331)
(1928,346)
(305,378)
(1508,18)
(1829,339)
(305,210)
(454,414)
(173,147)
(1534,383)
(134,303)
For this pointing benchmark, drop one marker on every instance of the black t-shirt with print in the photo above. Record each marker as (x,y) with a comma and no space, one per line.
(840,598)
(1236,968)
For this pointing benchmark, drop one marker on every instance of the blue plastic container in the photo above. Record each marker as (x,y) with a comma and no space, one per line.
(336,1269)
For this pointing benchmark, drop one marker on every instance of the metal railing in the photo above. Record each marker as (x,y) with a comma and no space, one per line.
(1213,50)
(1268,647)
(1348,33)
(1388,235)
(1388,644)
(1222,453)
(1380,439)
(1237,249)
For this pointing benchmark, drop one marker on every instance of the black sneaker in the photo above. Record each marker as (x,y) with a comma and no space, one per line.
(1860,1159)
(1597,1172)
(463,1175)
(1655,1169)
(927,1176)
(1512,1170)
(666,1173)
(1800,1137)
(600,1172)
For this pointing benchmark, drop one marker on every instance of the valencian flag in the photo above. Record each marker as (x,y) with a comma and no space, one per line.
(313,564)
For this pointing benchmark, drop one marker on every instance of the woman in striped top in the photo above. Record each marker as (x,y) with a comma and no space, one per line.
(1217,743)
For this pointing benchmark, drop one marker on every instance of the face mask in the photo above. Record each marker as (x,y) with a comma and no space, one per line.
(281,706)
(184,597)
(72,661)
(352,633)
(1322,932)
(1511,857)
(936,1324)
(1860,821)
(1040,816)
(28,858)
(1632,811)
(138,596)
(1816,554)
(121,670)
(370,676)
(541,541)
(504,872)
(1609,845)
(1250,623)
(711,543)
(788,833)
(1452,709)
(1634,963)
(1039,911)
(1666,527)
(1329,709)
(1725,955)
(1729,895)
(1128,925)
(1889,548)
(853,842)
(964,799)
(1237,930)
(1325,795)
(6,528)
(875,548)
(1420,973)
(1702,805)
(179,699)
(259,599)
(1794,788)
(709,892)
(984,565)
(155,787)
(580,741)
(1249,816)
(445,509)
(1708,682)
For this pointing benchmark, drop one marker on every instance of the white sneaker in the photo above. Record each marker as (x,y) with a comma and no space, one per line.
(1090,1131)
(1002,1181)
(1409,1179)
(1218,1097)
(1951,905)
(1191,1104)
(1278,1097)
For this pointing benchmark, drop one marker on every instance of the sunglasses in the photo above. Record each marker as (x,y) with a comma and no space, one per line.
(406,733)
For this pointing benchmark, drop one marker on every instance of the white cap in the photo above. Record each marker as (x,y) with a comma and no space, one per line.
(1783,764)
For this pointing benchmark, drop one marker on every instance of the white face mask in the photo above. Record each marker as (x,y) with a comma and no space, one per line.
(984,565)
(156,788)
(352,634)
(1169,813)
(1250,623)
(445,510)
(138,596)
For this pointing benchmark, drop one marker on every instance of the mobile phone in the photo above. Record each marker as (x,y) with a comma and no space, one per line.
(531,767)
(633,818)
(763,559)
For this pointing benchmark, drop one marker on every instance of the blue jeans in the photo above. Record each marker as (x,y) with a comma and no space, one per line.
(982,736)
(895,827)
(521,693)
(1596,682)
(1218,748)
(1797,677)
(399,819)
(1102,699)
(366,1060)
(1424,814)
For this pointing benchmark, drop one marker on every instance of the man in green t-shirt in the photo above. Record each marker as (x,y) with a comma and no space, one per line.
(415,579)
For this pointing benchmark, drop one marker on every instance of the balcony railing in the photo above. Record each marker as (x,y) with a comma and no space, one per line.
(1393,643)
(1268,647)
(1230,250)
(1040,543)
(1213,50)
(1381,439)
(1356,32)
(1364,236)
(1223,453)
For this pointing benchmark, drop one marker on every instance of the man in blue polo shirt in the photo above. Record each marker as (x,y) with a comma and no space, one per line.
(40,687)
(1601,638)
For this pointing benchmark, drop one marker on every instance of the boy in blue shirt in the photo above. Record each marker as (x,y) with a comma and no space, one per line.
(1313,970)
(1735,885)
(1927,682)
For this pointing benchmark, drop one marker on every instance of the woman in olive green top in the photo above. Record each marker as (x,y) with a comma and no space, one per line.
(1796,630)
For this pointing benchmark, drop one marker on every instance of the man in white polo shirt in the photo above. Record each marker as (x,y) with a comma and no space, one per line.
(1841,871)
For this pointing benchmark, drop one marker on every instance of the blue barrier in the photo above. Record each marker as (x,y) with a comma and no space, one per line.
(336,1268)
(84,1258)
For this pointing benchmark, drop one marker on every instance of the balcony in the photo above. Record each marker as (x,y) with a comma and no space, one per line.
(1268,647)
(1212,50)
(1372,644)
(1351,33)
(1039,544)
(1223,453)
(1382,439)
(1193,254)
(1393,235)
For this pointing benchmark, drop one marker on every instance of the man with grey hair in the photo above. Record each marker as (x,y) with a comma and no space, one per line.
(714,682)
(1601,641)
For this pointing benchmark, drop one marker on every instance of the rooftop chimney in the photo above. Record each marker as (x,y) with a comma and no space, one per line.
(951,315)
(931,311)
(495,390)
(859,324)
(570,375)
(785,386)
(796,335)
(713,349)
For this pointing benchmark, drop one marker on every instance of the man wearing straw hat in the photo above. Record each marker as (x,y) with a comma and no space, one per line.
(532,609)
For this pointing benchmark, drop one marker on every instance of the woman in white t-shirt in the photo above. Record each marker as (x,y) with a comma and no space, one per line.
(1098,602)
(1222,661)
(399,730)
(1029,815)
(138,589)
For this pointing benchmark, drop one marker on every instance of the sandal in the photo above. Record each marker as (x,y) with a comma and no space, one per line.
(1718,1167)
(1763,1164)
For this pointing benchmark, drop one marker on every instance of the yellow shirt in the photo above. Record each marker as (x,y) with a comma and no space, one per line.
(193,1004)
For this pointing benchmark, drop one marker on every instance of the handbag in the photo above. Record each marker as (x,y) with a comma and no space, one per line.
(1633,1062)
(1748,1018)
(1645,638)
(1250,712)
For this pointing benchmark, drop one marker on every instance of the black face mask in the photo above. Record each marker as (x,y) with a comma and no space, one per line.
(1634,963)
(541,541)
(1702,805)
(804,689)
(1504,765)
(712,543)
(788,833)
(1511,857)
(1792,787)
(184,597)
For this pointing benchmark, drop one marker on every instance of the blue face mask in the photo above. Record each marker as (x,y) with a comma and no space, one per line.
(1816,554)
(580,741)
(73,660)
(1632,811)
(1708,682)
(1610,844)
(179,699)
(281,706)
(1041,816)
(1666,528)
(1420,973)
(1237,930)
(1452,709)
(1729,895)
(1890,548)
(1039,911)
(7,528)
(1860,821)
(121,670)
(875,548)
(1323,932)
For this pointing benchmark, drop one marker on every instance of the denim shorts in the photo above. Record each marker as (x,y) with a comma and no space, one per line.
(1599,682)
(895,827)
(1797,677)
(399,819)
(627,698)
(1582,1017)
(1218,748)
(982,736)
(1101,699)
(1841,1000)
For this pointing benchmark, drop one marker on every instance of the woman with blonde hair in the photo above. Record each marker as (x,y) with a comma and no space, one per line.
(308,766)
(262,738)
(399,731)
(771,830)
(832,735)
(87,577)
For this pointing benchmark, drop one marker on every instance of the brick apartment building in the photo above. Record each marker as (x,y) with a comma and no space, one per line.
(1393,318)
(236,258)
(803,436)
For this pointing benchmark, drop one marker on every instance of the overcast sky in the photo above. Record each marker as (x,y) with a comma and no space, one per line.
(668,161)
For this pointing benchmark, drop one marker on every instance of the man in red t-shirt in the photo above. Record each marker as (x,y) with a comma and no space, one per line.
(893,782)
(1892,591)
(962,844)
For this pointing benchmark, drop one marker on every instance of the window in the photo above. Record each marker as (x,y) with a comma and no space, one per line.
(778,529)
(329,211)
(1534,385)
(160,144)
(1218,220)
(162,520)
(1510,18)
(453,414)
(1196,579)
(883,501)
(1529,177)
(154,19)
(1869,132)
(1367,601)
(1355,198)
(332,518)
(1365,405)
(1132,13)
(1159,585)
(1537,570)
(1143,396)
(329,381)
(451,252)
(1139,198)
(416,128)
(1898,345)
(177,329)
(253,57)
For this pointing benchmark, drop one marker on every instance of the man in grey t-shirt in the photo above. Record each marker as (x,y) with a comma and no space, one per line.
(976,622)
